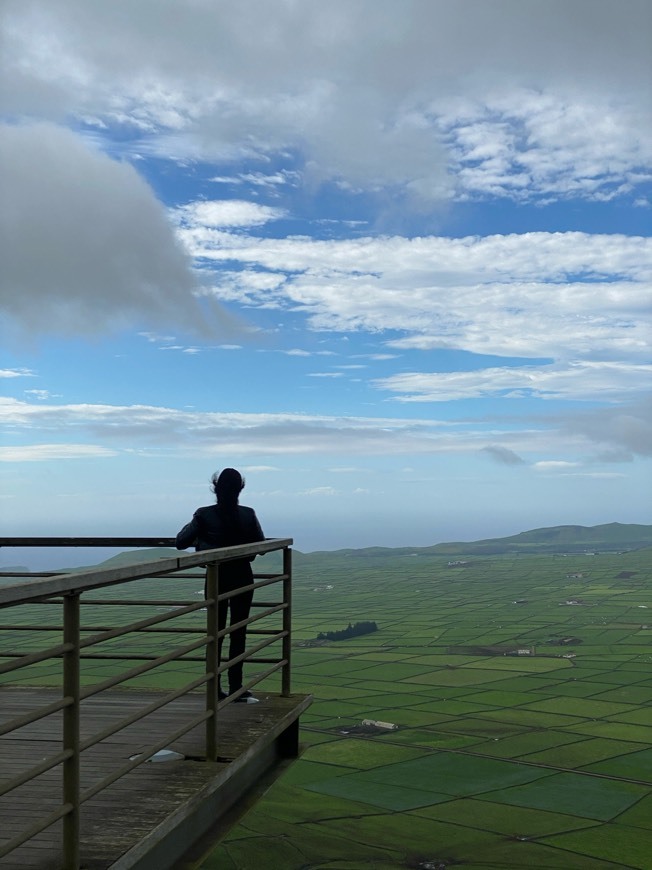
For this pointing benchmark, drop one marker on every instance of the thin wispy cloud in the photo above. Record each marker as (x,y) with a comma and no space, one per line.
(51,452)
(225,213)
(16,373)
(177,430)
(577,380)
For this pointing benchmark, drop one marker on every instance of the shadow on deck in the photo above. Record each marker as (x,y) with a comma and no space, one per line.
(153,815)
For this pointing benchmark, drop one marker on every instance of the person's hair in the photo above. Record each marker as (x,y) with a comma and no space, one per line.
(227,486)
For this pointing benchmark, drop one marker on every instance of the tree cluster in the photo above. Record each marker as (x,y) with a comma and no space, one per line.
(350,631)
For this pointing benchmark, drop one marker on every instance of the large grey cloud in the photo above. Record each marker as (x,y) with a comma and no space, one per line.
(84,243)
(357,89)
(622,431)
(391,47)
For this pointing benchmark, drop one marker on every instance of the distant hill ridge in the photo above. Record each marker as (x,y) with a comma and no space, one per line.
(555,539)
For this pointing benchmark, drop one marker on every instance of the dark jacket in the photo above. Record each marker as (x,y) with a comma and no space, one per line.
(210,528)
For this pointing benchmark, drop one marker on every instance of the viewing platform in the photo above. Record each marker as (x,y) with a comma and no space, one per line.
(115,748)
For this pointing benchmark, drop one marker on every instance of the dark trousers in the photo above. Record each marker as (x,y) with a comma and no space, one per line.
(239,607)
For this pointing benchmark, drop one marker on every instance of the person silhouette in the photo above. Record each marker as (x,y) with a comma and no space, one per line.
(226,524)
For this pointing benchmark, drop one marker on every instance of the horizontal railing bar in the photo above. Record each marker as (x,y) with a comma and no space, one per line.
(116,602)
(249,651)
(87,542)
(133,602)
(33,772)
(148,602)
(57,652)
(143,657)
(34,658)
(146,754)
(178,630)
(109,657)
(196,575)
(137,626)
(92,628)
(35,715)
(106,657)
(224,596)
(243,622)
(258,661)
(136,717)
(141,669)
(31,574)
(258,679)
(92,578)
(35,829)
(135,656)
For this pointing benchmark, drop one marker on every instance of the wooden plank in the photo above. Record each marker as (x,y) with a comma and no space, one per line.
(155,801)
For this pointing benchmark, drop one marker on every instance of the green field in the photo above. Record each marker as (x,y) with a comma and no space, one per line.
(520,686)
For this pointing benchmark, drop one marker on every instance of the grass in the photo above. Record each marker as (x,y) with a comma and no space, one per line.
(499,760)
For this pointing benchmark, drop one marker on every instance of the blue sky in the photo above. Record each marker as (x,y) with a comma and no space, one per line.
(389,258)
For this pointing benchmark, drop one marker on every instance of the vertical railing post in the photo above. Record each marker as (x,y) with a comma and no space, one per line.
(71,718)
(212,682)
(287,621)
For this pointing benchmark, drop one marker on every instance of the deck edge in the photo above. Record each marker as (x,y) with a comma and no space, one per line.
(162,847)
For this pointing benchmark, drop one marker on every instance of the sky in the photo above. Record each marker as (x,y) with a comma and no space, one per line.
(389,258)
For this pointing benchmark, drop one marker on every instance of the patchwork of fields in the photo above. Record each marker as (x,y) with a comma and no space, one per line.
(521,688)
(538,760)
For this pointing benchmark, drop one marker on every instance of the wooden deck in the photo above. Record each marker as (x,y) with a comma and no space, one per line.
(151,816)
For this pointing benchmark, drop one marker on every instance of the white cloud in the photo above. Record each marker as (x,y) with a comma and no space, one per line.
(554,465)
(152,429)
(320,491)
(226,213)
(259,179)
(85,244)
(348,469)
(529,145)
(155,338)
(578,380)
(16,373)
(561,295)
(42,395)
(374,356)
(50,452)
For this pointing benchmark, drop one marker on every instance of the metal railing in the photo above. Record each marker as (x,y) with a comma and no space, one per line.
(77,642)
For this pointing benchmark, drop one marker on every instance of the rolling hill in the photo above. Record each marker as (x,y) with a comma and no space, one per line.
(555,539)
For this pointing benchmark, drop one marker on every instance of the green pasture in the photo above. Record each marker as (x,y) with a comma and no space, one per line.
(540,759)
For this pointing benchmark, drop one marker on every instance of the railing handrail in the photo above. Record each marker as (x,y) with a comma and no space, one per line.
(93,578)
(65,590)
(92,541)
